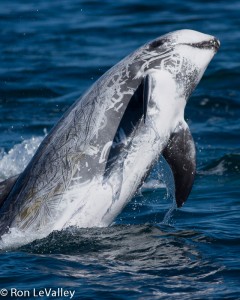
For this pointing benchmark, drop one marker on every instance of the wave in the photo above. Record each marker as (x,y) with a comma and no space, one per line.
(228,164)
(84,240)
(152,184)
(231,74)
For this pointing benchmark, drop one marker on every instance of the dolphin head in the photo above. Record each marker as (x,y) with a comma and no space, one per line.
(173,66)
(185,54)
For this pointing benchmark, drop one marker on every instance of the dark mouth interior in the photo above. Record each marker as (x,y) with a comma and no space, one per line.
(211,44)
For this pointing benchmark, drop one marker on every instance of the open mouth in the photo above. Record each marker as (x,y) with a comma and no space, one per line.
(212,44)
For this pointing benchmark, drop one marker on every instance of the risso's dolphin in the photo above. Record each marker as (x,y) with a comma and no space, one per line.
(99,153)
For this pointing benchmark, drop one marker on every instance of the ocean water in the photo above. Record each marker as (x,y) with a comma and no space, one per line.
(50,53)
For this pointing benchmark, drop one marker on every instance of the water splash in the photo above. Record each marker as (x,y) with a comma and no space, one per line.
(16,238)
(16,160)
(165,175)
(167,220)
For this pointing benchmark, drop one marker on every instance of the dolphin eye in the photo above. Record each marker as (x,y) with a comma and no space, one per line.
(158,43)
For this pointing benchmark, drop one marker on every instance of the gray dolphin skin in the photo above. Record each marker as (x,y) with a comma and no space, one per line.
(95,158)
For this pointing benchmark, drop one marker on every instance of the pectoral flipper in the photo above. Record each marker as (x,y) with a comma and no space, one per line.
(180,154)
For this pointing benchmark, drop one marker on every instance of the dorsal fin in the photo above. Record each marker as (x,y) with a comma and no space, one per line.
(6,187)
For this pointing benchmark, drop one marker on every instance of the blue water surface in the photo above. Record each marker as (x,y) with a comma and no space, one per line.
(50,53)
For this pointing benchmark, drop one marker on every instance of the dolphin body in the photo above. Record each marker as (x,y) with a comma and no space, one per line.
(99,153)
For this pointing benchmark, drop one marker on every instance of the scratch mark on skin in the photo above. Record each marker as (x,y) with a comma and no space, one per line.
(104,152)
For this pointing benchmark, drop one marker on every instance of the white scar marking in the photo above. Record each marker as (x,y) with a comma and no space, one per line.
(104,152)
